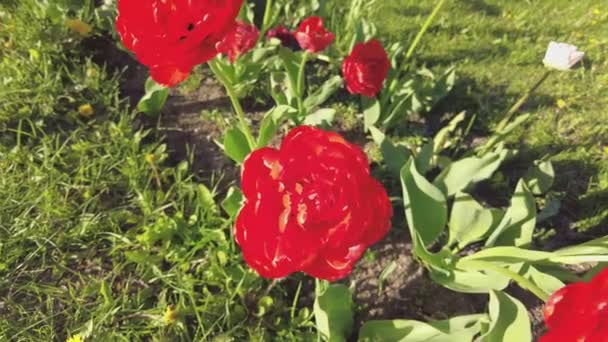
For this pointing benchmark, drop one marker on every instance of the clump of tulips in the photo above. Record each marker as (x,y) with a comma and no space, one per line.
(311,205)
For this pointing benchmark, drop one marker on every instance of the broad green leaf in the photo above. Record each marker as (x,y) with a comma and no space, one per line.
(469,221)
(545,281)
(281,89)
(509,255)
(270,123)
(461,329)
(425,206)
(259,54)
(559,271)
(395,156)
(233,201)
(322,117)
(592,251)
(322,94)
(517,226)
(154,99)
(461,174)
(424,158)
(400,108)
(334,313)
(468,280)
(539,177)
(291,63)
(509,320)
(235,145)
(371,111)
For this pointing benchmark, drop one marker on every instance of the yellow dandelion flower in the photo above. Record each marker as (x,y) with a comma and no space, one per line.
(597,11)
(561,104)
(86,110)
(75,338)
(150,158)
(79,26)
(170,315)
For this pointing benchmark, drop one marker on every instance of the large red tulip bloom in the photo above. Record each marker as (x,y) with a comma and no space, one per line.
(578,312)
(312,35)
(172,36)
(238,41)
(310,206)
(366,68)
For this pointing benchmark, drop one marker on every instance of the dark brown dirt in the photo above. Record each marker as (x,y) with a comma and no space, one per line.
(187,131)
(408,292)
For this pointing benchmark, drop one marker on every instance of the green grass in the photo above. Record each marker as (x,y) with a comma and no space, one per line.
(497,47)
(100,235)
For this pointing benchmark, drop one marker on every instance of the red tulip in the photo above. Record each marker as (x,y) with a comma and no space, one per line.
(172,36)
(366,68)
(310,206)
(238,41)
(286,37)
(578,312)
(312,36)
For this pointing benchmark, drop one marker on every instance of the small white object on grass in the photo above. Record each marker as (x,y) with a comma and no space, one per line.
(562,56)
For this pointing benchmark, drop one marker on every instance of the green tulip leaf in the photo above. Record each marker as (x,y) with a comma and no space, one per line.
(425,205)
(334,312)
(323,93)
(371,111)
(539,178)
(517,226)
(469,221)
(463,173)
(509,320)
(235,145)
(154,99)
(395,156)
(322,117)
(233,202)
(461,329)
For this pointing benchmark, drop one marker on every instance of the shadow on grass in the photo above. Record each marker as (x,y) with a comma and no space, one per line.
(485,100)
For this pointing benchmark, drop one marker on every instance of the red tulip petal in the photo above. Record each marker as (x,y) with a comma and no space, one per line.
(168,75)
(334,264)
(569,301)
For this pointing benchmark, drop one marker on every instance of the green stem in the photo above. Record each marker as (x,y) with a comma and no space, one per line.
(519,279)
(236,104)
(423,30)
(267,17)
(300,85)
(522,100)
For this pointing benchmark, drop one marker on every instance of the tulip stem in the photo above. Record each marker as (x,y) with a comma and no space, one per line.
(519,279)
(267,16)
(423,29)
(522,100)
(300,84)
(236,104)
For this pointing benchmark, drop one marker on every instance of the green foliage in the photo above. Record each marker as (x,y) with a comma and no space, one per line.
(100,235)
(425,206)
(509,319)
(463,328)
(235,145)
(334,311)
(154,99)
